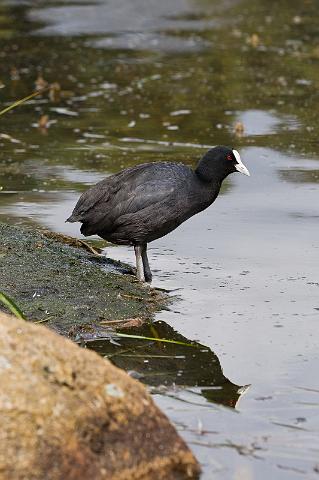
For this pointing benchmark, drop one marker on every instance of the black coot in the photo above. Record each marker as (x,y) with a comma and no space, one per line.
(143,203)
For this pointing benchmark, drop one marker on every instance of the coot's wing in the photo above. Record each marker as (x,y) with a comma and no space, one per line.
(161,207)
(128,201)
(103,191)
(103,207)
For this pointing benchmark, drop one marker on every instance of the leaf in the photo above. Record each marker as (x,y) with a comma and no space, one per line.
(8,302)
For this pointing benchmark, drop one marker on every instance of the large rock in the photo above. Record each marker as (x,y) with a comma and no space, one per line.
(66,413)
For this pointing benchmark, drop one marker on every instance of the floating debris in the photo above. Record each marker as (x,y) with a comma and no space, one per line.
(254,40)
(40,83)
(19,102)
(239,129)
(282,81)
(43,123)
(64,111)
(108,86)
(297,20)
(164,143)
(14,74)
(55,92)
(5,136)
(180,112)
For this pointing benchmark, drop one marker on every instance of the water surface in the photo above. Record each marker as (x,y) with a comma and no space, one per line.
(147,81)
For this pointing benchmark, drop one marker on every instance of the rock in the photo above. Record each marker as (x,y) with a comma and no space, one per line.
(66,413)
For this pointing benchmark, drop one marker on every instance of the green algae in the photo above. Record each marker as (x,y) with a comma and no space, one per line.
(68,287)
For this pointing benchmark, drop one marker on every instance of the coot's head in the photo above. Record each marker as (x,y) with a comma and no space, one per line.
(219,162)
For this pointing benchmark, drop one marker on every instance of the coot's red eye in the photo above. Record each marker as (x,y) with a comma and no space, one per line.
(229,157)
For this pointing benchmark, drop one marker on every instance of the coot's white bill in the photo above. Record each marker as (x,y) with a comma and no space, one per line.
(240,167)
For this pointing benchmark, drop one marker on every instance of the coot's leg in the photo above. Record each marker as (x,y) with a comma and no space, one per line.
(147,270)
(139,263)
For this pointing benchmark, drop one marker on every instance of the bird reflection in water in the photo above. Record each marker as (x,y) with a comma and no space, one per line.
(167,366)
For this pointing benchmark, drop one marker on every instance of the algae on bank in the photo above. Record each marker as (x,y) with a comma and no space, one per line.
(68,287)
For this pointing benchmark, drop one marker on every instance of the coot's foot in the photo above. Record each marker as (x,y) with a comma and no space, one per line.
(148,277)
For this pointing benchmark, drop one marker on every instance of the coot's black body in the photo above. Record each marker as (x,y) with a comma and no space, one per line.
(143,203)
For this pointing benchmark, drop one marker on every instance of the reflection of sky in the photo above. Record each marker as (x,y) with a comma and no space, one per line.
(76,175)
(260,122)
(126,24)
(50,210)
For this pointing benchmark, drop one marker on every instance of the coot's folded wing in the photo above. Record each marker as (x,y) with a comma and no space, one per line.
(130,191)
(103,191)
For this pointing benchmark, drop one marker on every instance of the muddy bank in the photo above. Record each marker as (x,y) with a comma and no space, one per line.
(69,288)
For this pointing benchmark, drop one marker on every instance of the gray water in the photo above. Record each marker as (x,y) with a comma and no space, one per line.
(164,81)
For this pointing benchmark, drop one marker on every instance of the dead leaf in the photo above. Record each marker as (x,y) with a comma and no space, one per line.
(55,92)
(14,74)
(254,40)
(44,121)
(40,83)
(133,323)
(239,129)
(5,136)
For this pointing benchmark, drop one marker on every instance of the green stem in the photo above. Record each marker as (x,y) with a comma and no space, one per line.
(8,302)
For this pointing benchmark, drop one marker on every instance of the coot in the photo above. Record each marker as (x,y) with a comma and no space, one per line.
(143,203)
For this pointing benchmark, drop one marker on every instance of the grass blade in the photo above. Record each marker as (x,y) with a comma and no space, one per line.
(22,100)
(165,340)
(10,304)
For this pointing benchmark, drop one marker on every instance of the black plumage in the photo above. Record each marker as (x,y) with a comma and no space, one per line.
(143,203)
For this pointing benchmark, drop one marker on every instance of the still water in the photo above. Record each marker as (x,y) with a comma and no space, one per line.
(145,81)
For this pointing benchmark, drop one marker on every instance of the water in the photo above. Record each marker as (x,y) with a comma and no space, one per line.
(163,81)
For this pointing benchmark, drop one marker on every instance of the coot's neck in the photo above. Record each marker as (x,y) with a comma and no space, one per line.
(211,177)
(210,171)
(208,190)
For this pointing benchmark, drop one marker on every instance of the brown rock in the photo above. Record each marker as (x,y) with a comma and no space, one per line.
(66,413)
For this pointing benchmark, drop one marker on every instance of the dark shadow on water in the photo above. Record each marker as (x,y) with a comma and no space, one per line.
(168,365)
